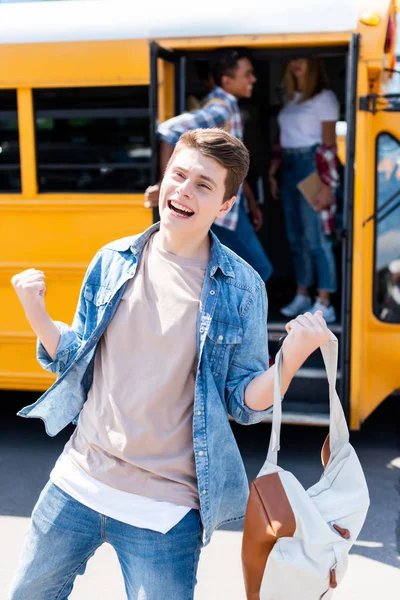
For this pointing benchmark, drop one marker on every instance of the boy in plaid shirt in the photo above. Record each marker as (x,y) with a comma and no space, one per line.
(234,76)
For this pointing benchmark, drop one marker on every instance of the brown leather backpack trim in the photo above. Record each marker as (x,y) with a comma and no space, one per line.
(269,516)
(325,452)
(345,533)
(332,578)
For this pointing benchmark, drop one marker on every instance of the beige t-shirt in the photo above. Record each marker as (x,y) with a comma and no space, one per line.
(135,430)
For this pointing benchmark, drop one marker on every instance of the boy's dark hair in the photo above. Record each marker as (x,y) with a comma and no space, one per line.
(225,62)
(223,147)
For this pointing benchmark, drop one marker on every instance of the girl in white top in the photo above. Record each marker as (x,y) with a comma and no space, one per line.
(307,125)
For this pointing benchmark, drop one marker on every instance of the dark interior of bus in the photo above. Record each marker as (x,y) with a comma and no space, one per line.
(308,392)
(260,126)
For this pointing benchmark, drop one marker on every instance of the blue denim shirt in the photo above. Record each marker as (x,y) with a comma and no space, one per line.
(232,349)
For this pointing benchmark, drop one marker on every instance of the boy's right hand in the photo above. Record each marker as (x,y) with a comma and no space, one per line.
(31,288)
(151,196)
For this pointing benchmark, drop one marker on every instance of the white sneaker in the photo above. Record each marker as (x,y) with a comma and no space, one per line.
(328,312)
(299,305)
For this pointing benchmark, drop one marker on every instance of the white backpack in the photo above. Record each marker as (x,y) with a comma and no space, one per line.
(295,541)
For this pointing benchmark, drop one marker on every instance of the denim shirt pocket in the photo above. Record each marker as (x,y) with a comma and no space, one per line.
(97,294)
(222,341)
(97,298)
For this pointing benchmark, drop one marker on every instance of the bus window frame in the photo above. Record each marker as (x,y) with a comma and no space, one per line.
(76,113)
(13,115)
(346,356)
(375,307)
(177,60)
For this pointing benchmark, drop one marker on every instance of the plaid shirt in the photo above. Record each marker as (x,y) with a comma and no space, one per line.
(221,110)
(327,166)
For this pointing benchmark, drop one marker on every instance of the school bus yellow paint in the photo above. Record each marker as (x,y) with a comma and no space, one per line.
(67,64)
(52,236)
(166,90)
(341,146)
(27,142)
(49,231)
(375,348)
(260,41)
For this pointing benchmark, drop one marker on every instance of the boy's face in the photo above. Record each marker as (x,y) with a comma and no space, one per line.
(192,192)
(241,84)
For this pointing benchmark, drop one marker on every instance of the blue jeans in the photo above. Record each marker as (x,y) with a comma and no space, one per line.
(244,241)
(311,249)
(64,534)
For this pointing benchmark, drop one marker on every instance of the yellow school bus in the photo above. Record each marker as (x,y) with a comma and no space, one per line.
(82,87)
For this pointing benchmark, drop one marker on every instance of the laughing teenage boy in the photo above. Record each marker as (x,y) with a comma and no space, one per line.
(169,338)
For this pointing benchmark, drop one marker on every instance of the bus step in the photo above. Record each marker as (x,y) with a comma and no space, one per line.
(314,366)
(277,328)
(294,413)
(314,373)
(308,389)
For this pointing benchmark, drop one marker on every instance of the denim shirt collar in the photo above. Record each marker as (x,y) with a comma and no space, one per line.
(219,258)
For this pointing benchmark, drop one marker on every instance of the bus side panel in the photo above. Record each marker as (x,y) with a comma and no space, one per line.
(59,237)
(59,64)
(375,371)
(59,232)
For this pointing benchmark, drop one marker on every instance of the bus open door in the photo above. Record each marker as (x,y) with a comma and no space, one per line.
(167,95)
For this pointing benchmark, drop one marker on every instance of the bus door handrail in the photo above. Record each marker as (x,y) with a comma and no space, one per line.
(369,103)
(384,205)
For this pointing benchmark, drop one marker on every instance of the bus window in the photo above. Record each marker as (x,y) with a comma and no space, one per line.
(387,230)
(92,139)
(10,172)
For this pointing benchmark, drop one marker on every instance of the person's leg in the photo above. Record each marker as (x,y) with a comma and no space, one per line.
(157,565)
(320,247)
(321,252)
(63,535)
(290,197)
(244,241)
(291,203)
